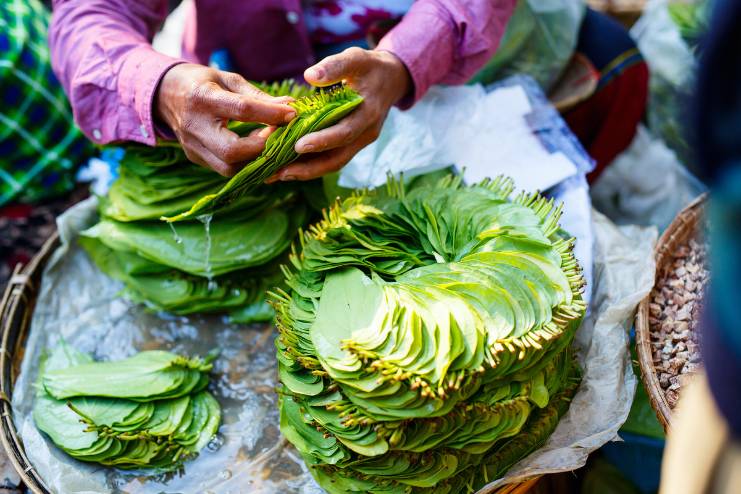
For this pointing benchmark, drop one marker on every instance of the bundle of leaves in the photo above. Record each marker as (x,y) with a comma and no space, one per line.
(425,337)
(231,234)
(148,411)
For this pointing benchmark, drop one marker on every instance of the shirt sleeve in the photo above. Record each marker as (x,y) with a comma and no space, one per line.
(102,54)
(447,41)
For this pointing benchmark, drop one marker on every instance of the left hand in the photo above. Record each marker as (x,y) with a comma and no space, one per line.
(380,78)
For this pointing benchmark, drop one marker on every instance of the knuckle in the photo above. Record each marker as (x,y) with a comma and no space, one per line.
(192,155)
(229,153)
(354,52)
(374,132)
(338,165)
(244,106)
(200,93)
(233,78)
(188,125)
(345,133)
(373,114)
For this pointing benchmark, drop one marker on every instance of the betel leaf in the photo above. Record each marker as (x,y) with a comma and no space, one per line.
(233,243)
(425,330)
(313,113)
(159,432)
(146,376)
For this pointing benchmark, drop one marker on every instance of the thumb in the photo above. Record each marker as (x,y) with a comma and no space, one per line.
(335,68)
(238,84)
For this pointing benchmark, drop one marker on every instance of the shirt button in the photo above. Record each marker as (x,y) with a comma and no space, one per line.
(292,17)
(97,135)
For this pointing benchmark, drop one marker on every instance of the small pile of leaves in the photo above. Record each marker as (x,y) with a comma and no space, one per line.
(231,235)
(674,312)
(151,410)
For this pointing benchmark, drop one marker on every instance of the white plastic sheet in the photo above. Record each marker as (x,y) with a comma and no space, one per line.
(646,184)
(483,133)
(624,274)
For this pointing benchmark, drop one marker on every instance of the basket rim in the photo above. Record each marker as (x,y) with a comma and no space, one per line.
(16,308)
(687,218)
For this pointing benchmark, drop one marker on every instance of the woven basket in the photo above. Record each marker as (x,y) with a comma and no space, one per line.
(16,309)
(684,227)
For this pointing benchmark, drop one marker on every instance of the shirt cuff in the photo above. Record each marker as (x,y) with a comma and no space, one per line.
(139,78)
(424,41)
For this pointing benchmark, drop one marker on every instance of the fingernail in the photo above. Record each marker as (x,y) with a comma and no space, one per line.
(265,133)
(290,116)
(288,178)
(305,148)
(271,180)
(314,73)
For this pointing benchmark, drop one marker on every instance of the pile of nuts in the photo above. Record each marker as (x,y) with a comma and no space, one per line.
(674,312)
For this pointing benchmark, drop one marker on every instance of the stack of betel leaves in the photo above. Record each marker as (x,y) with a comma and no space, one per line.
(226,237)
(425,337)
(151,410)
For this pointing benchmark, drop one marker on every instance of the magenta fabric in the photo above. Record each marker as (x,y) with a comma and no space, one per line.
(101,50)
(340,21)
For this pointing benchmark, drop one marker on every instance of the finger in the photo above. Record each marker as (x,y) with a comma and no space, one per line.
(238,84)
(199,154)
(327,162)
(339,135)
(335,68)
(229,148)
(234,106)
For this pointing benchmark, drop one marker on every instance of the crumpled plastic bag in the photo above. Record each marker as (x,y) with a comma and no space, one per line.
(483,132)
(672,65)
(80,304)
(646,184)
(539,41)
(624,270)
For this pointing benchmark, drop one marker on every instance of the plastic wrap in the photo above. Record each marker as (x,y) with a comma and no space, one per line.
(646,184)
(672,62)
(539,41)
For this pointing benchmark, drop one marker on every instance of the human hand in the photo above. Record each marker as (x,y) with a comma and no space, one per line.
(197,102)
(381,78)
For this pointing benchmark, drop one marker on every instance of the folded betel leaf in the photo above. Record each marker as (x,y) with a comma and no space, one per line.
(234,242)
(160,431)
(424,329)
(146,376)
(241,294)
(313,113)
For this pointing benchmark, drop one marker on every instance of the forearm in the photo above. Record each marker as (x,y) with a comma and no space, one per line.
(101,53)
(447,41)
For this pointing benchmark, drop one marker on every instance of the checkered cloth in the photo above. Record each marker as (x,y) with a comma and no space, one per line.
(40,146)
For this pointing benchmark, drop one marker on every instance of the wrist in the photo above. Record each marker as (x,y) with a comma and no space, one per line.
(167,94)
(400,80)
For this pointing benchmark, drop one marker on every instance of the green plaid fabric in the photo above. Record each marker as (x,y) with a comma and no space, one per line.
(40,147)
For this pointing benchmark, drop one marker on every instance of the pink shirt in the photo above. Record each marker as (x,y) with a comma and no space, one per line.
(101,51)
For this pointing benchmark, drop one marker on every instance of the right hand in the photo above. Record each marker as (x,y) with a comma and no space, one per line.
(197,102)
